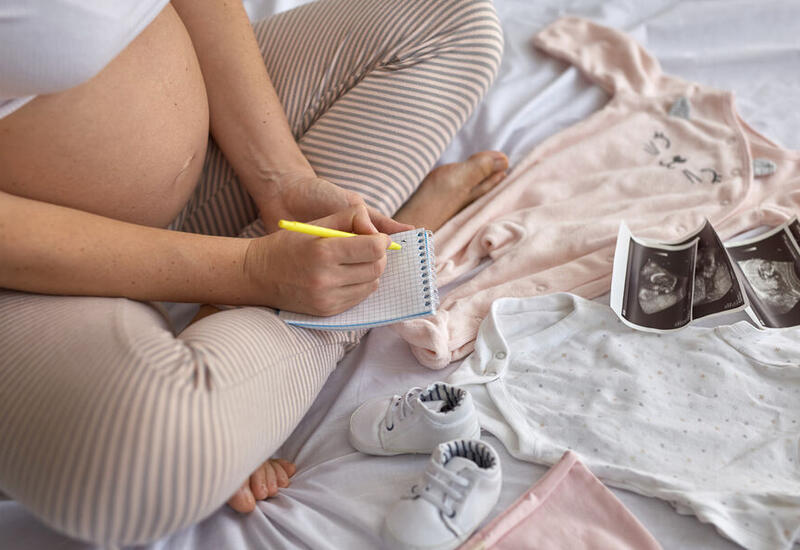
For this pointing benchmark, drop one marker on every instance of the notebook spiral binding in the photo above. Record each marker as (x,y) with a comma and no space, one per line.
(428,268)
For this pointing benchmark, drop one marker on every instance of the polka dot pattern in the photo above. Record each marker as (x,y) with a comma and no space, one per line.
(707,419)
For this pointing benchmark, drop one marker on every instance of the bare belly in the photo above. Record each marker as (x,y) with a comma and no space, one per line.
(128,144)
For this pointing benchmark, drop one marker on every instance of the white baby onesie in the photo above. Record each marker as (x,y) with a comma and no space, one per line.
(707,419)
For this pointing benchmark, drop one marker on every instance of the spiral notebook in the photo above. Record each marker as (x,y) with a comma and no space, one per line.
(407,289)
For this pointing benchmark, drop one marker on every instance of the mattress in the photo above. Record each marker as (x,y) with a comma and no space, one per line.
(338,497)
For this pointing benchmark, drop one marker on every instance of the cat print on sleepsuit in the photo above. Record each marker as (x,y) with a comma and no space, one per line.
(662,155)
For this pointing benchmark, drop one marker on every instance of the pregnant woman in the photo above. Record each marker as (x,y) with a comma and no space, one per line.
(115,429)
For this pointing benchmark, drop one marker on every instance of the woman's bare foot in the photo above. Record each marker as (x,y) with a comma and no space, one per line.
(449,188)
(274,474)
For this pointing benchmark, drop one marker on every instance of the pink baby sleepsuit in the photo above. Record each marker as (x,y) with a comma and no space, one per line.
(567,508)
(662,155)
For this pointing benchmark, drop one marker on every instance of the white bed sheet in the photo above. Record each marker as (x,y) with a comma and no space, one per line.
(338,497)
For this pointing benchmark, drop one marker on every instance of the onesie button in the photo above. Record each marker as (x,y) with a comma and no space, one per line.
(610,258)
(736,172)
(500,355)
(541,288)
(724,202)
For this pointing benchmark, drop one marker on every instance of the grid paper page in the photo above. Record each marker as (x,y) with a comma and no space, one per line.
(407,289)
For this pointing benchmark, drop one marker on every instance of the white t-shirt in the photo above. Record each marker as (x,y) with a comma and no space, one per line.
(47,46)
(707,419)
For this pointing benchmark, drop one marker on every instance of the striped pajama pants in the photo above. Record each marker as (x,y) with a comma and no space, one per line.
(115,430)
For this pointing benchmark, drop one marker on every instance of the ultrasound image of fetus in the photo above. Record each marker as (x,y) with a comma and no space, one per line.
(659,288)
(775,283)
(712,278)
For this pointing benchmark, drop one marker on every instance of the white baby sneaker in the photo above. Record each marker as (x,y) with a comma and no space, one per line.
(459,488)
(416,422)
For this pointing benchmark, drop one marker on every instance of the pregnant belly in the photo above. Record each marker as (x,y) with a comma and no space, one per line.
(128,144)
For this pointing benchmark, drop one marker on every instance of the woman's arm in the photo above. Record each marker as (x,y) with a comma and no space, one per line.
(248,122)
(52,249)
(247,118)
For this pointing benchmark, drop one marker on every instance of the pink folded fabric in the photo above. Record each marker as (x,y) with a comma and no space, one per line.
(568,508)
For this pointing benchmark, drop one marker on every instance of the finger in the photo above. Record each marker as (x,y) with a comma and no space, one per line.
(288,467)
(360,249)
(283,477)
(242,500)
(351,295)
(258,483)
(385,224)
(272,479)
(353,220)
(353,274)
(362,223)
(342,298)
(354,199)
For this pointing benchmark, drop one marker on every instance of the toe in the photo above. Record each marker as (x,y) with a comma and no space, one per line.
(486,185)
(243,501)
(258,484)
(488,162)
(288,467)
(272,479)
(283,477)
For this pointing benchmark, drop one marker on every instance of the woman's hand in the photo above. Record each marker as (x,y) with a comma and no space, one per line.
(320,276)
(302,196)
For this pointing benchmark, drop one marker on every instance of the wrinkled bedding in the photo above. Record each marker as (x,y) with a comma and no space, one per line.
(338,497)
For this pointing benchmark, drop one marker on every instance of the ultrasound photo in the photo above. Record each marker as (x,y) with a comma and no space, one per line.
(794,229)
(770,263)
(652,283)
(715,286)
(657,286)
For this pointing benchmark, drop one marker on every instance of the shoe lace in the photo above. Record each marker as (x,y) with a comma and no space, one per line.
(447,482)
(401,406)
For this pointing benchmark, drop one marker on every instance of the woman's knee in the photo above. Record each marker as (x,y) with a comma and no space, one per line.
(469,31)
(156,461)
(478,14)
(98,441)
(480,31)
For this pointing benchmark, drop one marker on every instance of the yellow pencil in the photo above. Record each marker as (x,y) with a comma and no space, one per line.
(318,231)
